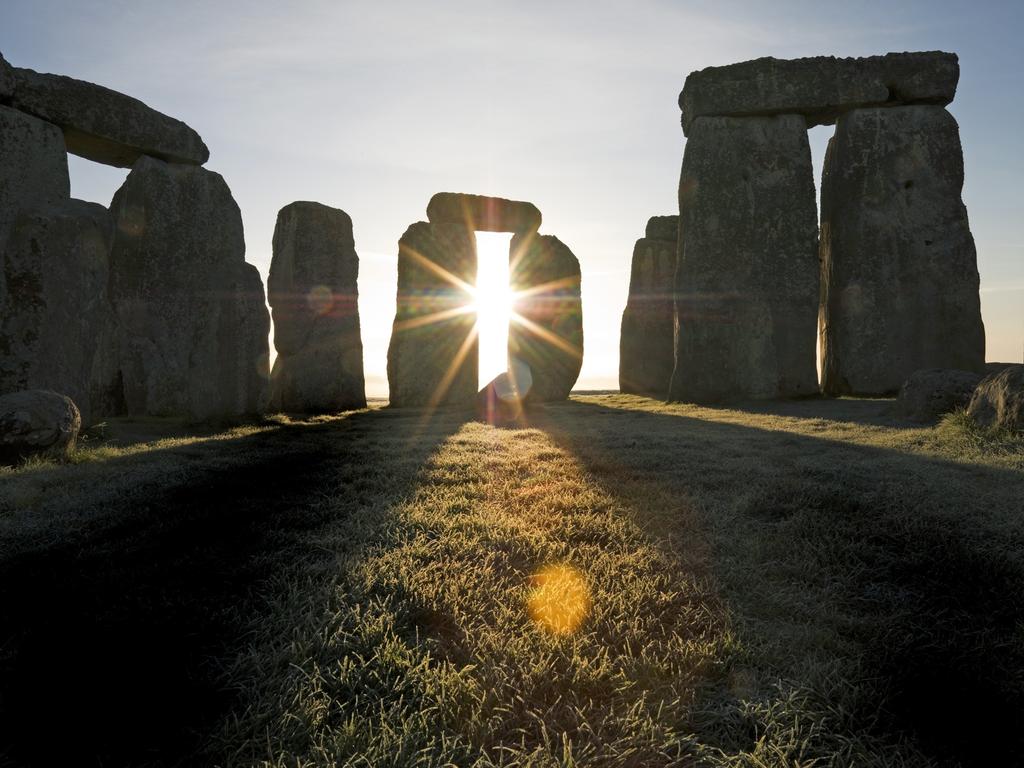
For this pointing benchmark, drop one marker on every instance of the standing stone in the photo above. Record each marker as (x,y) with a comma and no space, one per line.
(646,344)
(314,300)
(33,167)
(899,267)
(6,78)
(192,320)
(432,358)
(548,334)
(55,315)
(103,125)
(819,87)
(37,423)
(747,275)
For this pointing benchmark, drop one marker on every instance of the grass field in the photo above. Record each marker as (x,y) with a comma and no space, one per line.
(622,583)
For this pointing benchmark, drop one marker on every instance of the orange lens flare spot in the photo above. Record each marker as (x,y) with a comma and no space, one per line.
(559,600)
(320,300)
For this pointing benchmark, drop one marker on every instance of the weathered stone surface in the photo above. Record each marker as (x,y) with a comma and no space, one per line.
(191,315)
(483,214)
(6,78)
(104,125)
(432,358)
(548,337)
(314,301)
(899,267)
(927,395)
(820,87)
(662,228)
(747,275)
(54,309)
(37,423)
(33,166)
(998,400)
(646,343)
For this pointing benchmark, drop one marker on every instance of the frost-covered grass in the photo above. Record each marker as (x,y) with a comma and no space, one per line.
(621,583)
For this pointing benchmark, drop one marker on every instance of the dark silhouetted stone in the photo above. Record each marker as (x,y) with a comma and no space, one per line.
(747,276)
(998,400)
(929,394)
(646,345)
(6,78)
(483,214)
(899,267)
(56,321)
(432,358)
(314,301)
(662,228)
(548,336)
(104,125)
(191,315)
(820,88)
(33,166)
(502,402)
(37,423)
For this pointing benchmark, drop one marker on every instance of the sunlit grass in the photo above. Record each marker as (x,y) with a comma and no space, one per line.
(623,583)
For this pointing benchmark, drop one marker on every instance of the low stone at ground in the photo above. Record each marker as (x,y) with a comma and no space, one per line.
(928,394)
(37,423)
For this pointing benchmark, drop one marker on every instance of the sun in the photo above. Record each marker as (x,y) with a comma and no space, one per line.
(493,302)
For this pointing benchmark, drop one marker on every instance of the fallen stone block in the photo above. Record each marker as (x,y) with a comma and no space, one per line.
(37,423)
(998,400)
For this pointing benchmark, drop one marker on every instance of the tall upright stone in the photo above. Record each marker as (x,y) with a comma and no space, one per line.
(899,267)
(747,274)
(646,341)
(547,335)
(432,358)
(192,323)
(33,166)
(315,305)
(56,320)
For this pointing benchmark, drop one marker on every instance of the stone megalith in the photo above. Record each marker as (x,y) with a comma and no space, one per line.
(747,274)
(898,262)
(6,78)
(56,320)
(927,395)
(998,402)
(432,358)
(646,342)
(37,423)
(192,322)
(819,87)
(33,166)
(483,214)
(314,302)
(547,334)
(103,125)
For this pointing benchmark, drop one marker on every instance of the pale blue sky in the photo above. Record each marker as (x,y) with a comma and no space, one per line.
(374,106)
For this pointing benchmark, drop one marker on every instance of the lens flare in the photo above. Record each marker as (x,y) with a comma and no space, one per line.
(559,600)
(320,300)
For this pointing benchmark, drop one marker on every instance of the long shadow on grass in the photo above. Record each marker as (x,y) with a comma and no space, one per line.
(110,639)
(910,549)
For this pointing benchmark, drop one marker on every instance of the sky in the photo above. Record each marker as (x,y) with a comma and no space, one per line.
(372,107)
